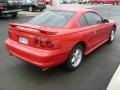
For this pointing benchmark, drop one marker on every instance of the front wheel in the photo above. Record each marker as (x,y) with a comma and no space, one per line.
(111,36)
(14,15)
(74,58)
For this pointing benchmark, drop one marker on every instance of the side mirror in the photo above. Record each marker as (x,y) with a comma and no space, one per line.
(106,21)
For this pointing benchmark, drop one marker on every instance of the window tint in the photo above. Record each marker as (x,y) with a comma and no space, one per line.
(52,19)
(93,18)
(83,21)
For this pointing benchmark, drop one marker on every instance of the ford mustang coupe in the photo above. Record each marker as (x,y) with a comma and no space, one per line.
(59,37)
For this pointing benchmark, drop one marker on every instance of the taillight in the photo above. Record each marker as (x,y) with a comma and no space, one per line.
(1,6)
(45,43)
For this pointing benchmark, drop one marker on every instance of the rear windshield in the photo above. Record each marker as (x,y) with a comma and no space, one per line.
(52,19)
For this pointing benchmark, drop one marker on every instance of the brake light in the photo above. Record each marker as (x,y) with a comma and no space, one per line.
(45,43)
(1,6)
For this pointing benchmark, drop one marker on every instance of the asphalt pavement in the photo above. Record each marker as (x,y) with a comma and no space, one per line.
(94,73)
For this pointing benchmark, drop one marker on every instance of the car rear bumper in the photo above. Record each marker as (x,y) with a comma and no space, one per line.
(38,57)
(10,11)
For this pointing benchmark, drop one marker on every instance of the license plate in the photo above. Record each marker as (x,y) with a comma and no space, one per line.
(23,40)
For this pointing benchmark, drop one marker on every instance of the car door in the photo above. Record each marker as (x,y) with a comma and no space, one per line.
(97,28)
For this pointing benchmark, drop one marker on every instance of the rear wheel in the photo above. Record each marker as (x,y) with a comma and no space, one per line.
(74,58)
(30,9)
(115,3)
(111,36)
(90,2)
(41,10)
(101,3)
(14,15)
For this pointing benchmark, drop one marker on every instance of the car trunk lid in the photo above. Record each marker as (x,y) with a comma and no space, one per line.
(29,34)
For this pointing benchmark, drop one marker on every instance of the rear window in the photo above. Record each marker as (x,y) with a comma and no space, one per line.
(52,19)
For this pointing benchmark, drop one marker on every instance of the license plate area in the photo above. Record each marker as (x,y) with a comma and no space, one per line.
(23,40)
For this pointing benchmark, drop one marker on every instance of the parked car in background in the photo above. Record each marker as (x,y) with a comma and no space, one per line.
(32,5)
(11,7)
(83,1)
(69,1)
(114,2)
(48,41)
(61,1)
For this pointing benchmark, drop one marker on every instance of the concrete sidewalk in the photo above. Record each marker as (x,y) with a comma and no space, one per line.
(115,81)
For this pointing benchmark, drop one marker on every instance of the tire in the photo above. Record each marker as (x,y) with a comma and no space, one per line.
(14,15)
(111,36)
(79,3)
(101,3)
(75,58)
(30,9)
(115,3)
(90,2)
(41,10)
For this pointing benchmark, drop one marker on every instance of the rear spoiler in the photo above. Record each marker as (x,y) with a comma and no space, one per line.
(39,28)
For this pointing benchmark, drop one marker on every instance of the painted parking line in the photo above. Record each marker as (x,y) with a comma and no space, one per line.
(115,81)
(26,13)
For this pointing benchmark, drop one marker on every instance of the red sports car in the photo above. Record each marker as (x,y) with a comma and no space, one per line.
(61,36)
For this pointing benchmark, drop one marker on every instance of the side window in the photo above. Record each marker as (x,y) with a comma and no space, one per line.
(83,21)
(93,18)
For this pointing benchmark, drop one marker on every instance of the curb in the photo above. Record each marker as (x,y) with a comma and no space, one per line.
(115,81)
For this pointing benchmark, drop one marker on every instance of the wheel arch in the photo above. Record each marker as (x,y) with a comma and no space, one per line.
(83,43)
(114,27)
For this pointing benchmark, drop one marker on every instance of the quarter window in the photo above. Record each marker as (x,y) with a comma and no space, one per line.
(83,21)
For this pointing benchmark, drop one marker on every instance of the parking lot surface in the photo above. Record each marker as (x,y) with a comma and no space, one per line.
(94,73)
